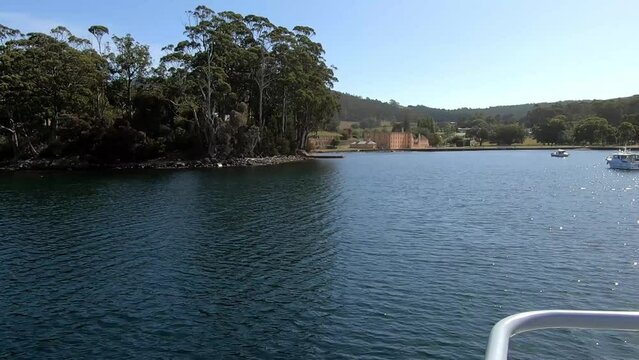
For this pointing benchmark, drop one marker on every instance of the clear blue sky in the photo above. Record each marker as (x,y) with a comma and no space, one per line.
(440,53)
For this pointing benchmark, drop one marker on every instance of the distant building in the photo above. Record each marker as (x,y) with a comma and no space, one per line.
(364,145)
(399,141)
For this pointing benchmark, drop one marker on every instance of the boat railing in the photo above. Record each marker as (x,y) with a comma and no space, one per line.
(555,319)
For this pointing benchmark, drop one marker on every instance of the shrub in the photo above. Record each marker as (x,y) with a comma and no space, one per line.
(455,140)
(52,150)
(284,146)
(119,144)
(6,150)
(434,139)
(152,149)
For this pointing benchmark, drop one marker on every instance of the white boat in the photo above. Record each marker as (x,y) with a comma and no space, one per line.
(623,159)
(560,153)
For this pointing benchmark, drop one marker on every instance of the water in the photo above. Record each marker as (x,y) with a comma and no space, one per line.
(377,256)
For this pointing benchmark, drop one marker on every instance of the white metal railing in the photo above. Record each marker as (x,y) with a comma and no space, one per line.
(554,319)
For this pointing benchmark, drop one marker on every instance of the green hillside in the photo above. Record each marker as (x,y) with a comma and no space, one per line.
(372,112)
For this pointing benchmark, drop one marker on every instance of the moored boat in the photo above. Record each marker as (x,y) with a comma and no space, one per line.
(560,153)
(623,159)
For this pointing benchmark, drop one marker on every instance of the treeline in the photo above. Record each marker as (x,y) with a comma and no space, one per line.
(371,113)
(599,122)
(596,122)
(235,86)
(570,119)
(613,121)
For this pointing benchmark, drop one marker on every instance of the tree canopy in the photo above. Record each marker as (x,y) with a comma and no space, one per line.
(508,134)
(593,130)
(234,86)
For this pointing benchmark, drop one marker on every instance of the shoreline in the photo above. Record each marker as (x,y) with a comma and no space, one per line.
(482,148)
(74,163)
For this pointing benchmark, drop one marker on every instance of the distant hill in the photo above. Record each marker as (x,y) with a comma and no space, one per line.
(358,109)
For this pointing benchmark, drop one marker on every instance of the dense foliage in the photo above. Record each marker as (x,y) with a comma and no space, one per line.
(613,121)
(355,108)
(596,122)
(235,86)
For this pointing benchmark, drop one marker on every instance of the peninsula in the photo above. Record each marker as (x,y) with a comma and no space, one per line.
(235,88)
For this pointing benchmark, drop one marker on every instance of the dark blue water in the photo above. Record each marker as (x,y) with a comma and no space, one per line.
(376,256)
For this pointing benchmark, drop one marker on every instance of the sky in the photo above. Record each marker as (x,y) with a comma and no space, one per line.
(438,53)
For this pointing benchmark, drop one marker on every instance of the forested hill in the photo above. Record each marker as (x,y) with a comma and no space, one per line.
(358,109)
(355,108)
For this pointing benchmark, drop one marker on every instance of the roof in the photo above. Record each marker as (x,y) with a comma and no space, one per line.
(364,142)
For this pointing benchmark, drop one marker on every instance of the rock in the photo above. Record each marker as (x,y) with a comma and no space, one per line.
(77,163)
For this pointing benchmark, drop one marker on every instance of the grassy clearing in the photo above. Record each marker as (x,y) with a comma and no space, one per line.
(323,133)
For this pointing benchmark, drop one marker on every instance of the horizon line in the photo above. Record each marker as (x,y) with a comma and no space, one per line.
(484,107)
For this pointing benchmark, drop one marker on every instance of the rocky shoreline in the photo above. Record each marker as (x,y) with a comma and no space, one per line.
(76,163)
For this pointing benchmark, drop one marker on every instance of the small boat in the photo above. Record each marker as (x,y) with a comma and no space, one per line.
(560,153)
(623,159)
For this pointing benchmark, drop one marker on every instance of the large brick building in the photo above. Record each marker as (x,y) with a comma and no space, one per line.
(399,141)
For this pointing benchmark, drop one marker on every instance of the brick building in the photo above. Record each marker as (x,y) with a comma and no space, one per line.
(399,141)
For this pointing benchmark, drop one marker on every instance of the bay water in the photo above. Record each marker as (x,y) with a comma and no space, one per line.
(374,256)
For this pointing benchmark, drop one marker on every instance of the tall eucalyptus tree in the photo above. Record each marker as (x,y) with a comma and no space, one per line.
(131,62)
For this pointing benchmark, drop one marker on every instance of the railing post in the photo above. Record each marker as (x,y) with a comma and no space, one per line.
(553,319)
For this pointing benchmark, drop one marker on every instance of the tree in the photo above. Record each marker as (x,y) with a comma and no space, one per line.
(369,123)
(8,78)
(98,31)
(592,130)
(552,131)
(198,62)
(131,63)
(508,134)
(101,102)
(609,110)
(7,33)
(626,132)
(403,126)
(314,103)
(426,126)
(480,131)
(56,78)
(263,37)
(539,115)
(43,79)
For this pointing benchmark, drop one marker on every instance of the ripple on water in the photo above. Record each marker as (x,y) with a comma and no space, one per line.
(396,255)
